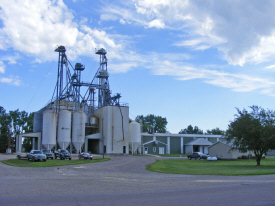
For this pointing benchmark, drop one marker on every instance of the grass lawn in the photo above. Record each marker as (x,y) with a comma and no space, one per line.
(49,163)
(220,167)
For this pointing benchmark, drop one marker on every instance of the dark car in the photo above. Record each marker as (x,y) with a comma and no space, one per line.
(85,155)
(197,156)
(62,154)
(48,153)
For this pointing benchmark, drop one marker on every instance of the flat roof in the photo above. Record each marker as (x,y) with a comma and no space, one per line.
(181,135)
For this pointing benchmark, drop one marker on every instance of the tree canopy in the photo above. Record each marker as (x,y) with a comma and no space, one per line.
(215,131)
(5,133)
(253,131)
(12,124)
(152,123)
(191,130)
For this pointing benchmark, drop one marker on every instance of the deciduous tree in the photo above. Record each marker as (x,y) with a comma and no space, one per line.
(191,130)
(215,131)
(152,123)
(27,144)
(253,130)
(5,133)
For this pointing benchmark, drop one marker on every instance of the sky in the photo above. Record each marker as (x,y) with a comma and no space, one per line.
(193,62)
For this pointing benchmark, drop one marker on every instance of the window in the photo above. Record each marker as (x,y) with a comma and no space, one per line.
(154,149)
(124,149)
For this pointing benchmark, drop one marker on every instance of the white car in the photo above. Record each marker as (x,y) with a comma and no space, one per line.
(36,155)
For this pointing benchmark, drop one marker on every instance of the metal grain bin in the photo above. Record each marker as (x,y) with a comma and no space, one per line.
(64,128)
(49,129)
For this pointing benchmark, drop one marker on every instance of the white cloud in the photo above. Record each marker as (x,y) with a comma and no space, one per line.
(242,33)
(156,23)
(2,67)
(11,80)
(108,17)
(36,28)
(122,67)
(122,21)
(270,67)
(12,59)
(168,64)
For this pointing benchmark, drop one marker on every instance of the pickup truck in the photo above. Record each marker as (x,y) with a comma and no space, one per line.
(36,155)
(62,154)
(197,156)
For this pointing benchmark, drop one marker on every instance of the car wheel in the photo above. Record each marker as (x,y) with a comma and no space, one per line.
(198,158)
(44,160)
(70,158)
(55,157)
(33,159)
(189,158)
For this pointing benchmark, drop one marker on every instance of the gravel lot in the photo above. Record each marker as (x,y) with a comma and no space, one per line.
(122,176)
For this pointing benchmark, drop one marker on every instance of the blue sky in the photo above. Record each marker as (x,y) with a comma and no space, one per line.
(192,62)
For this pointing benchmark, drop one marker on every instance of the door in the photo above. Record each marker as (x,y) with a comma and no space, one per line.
(161,150)
(145,150)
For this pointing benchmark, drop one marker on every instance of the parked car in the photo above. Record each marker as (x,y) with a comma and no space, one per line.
(48,153)
(62,154)
(197,155)
(36,155)
(85,155)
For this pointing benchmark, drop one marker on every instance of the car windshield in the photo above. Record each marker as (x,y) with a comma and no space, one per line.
(63,150)
(46,150)
(37,152)
(85,154)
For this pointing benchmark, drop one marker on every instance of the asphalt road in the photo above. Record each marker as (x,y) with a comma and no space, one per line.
(124,181)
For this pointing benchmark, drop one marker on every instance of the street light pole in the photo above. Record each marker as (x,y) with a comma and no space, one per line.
(102,137)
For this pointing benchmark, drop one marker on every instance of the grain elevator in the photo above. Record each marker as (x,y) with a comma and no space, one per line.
(84,116)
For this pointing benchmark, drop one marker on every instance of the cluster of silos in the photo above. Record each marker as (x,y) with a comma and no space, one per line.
(64,128)
(135,137)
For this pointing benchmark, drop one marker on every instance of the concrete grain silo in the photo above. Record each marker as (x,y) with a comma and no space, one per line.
(78,130)
(37,121)
(134,137)
(49,129)
(64,128)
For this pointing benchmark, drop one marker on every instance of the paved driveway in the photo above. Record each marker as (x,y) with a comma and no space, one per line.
(124,181)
